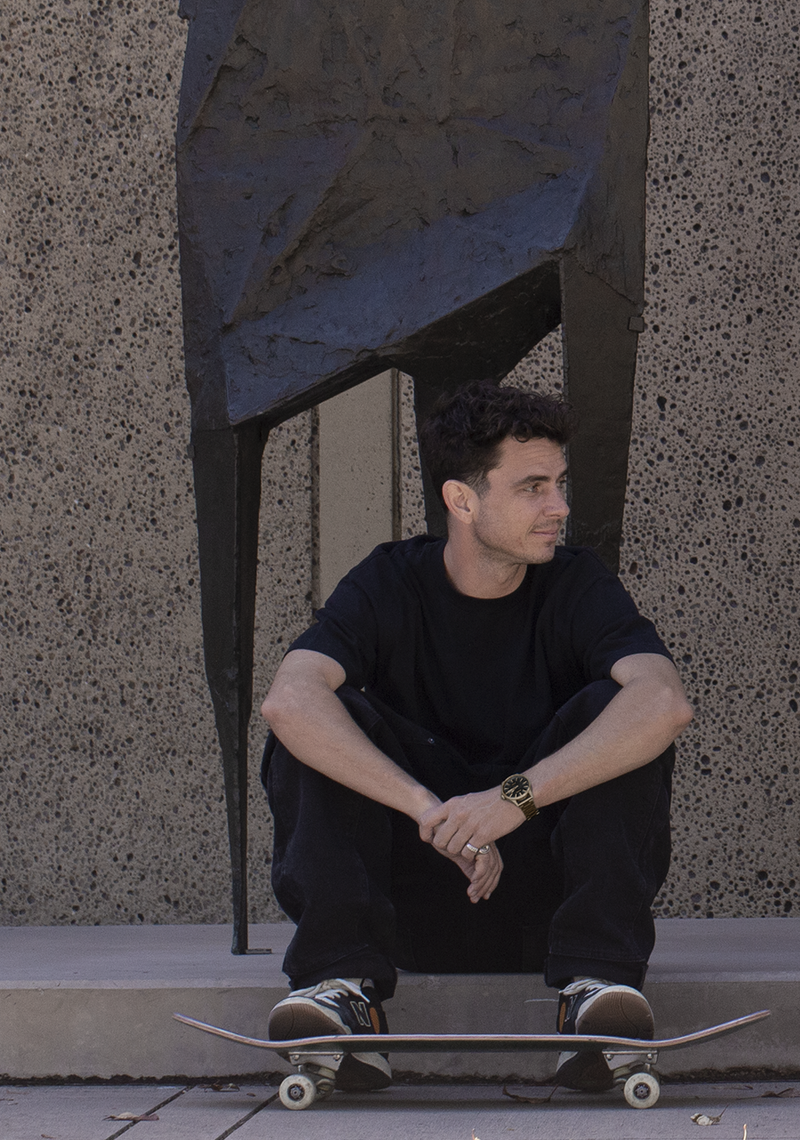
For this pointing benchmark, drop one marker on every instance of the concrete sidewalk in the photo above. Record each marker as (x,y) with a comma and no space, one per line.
(430,1112)
(97,1002)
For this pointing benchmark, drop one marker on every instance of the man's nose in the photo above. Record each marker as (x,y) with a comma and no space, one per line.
(558,506)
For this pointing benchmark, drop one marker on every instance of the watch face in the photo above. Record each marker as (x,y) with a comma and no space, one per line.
(516,787)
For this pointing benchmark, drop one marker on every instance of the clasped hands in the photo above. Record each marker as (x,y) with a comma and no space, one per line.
(478,819)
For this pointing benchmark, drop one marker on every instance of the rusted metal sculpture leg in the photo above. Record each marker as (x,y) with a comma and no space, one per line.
(227,477)
(599,367)
(426,393)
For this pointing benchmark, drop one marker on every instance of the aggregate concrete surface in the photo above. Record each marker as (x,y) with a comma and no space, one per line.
(111,790)
(735,1111)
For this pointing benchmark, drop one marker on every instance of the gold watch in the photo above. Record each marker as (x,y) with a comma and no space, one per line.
(517,790)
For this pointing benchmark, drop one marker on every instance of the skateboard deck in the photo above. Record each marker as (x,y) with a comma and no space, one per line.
(630,1059)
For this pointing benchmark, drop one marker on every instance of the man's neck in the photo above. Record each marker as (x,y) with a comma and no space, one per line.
(480,577)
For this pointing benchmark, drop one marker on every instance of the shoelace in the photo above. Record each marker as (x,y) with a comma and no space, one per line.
(325,990)
(586,986)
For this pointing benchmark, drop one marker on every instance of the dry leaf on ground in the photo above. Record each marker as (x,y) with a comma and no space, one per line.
(701,1118)
(132,1117)
(529,1099)
(783,1093)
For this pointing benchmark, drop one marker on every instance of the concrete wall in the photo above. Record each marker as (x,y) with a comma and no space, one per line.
(111,785)
(713,519)
(112,804)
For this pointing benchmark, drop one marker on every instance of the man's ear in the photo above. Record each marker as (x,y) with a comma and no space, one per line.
(458,499)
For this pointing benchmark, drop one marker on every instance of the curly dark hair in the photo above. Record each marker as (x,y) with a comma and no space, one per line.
(462,437)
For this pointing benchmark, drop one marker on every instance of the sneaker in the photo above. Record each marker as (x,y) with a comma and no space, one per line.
(592,1006)
(341,1005)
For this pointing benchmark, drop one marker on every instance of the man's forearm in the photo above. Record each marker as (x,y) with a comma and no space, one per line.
(642,720)
(313,724)
(310,720)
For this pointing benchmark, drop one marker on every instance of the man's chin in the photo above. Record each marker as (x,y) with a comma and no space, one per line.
(543,554)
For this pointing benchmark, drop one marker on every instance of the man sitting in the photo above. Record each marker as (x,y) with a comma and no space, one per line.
(490,707)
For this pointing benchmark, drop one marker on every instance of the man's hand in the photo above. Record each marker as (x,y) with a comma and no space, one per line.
(478,819)
(482,869)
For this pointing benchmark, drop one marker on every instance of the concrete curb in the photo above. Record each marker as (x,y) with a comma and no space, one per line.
(97,1002)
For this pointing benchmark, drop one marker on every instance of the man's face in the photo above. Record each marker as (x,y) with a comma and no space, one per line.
(518,516)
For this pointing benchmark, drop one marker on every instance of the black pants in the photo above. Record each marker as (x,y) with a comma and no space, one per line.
(367,895)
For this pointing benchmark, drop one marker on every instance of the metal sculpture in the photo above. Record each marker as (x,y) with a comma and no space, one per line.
(368,185)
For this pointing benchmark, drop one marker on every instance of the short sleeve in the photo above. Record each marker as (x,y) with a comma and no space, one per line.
(606,626)
(346,628)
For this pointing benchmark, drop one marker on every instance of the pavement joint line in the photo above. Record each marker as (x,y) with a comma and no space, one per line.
(253,1112)
(150,1111)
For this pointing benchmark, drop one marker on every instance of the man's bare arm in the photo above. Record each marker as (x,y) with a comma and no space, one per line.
(312,723)
(309,719)
(642,720)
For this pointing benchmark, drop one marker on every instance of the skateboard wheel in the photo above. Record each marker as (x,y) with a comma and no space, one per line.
(642,1090)
(297,1092)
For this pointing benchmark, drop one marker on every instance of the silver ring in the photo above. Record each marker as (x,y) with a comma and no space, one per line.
(477,850)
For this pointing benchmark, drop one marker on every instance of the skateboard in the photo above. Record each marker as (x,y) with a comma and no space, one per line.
(317,1059)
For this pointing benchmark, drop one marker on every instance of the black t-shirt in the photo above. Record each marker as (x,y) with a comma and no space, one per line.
(486,674)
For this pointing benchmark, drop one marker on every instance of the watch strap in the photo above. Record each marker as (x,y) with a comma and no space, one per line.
(529,807)
(525,802)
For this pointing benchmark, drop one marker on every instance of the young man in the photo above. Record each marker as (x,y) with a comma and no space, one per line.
(472,752)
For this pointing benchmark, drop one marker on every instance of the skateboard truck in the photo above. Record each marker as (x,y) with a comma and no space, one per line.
(316,1076)
(634,1071)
